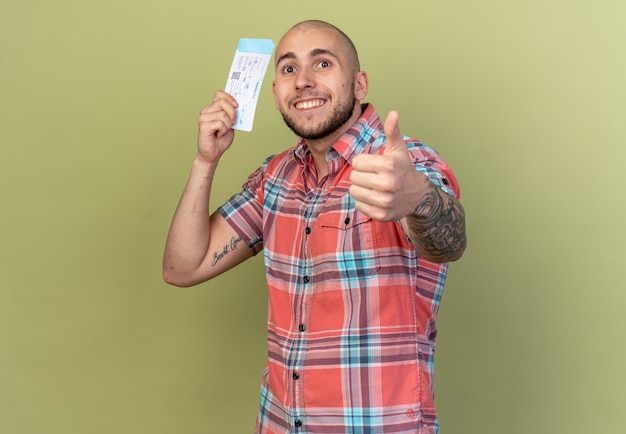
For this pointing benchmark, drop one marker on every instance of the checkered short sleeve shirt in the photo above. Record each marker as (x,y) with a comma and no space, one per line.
(352,303)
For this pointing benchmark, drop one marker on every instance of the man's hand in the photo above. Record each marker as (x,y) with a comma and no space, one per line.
(387,187)
(215,133)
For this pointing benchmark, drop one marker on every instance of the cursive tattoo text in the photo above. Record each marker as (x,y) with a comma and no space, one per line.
(218,256)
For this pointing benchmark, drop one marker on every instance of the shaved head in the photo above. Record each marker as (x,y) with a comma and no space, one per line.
(346,45)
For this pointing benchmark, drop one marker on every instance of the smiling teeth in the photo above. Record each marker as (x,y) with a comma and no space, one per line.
(309,104)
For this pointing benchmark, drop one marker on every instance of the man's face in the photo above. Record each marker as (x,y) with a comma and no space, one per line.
(314,88)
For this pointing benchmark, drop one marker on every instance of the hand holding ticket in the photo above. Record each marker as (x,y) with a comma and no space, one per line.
(246,76)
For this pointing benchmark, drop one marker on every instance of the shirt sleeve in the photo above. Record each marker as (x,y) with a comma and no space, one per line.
(244,211)
(427,161)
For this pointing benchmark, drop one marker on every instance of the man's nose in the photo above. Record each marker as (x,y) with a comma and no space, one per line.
(305,79)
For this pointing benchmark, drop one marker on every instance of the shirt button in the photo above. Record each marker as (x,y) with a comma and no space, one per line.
(306,279)
(347,220)
(308,231)
(302,327)
(295,375)
(298,423)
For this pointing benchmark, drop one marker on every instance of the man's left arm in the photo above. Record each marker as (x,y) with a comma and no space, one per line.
(387,187)
(437,225)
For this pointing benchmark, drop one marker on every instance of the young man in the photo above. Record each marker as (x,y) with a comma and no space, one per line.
(357,224)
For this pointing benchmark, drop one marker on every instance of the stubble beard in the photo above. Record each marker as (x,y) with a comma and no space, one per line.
(339,116)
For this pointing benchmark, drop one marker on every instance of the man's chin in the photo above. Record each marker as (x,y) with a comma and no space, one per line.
(312,133)
(306,131)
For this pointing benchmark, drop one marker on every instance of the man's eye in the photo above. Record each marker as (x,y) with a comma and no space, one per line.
(288,69)
(324,64)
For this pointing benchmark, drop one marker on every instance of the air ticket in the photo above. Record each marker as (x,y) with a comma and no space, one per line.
(246,76)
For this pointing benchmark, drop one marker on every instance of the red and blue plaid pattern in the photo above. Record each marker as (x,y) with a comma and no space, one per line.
(352,304)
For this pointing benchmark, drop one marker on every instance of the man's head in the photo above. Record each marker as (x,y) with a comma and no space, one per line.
(319,84)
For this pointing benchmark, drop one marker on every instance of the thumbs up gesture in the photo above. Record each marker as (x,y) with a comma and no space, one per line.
(387,187)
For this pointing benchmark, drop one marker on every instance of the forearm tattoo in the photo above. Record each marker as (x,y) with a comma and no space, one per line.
(437,226)
(218,256)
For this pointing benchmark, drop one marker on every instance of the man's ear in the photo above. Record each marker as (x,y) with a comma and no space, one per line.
(274,94)
(361,85)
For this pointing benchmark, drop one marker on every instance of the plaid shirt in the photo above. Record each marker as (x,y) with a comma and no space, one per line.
(352,304)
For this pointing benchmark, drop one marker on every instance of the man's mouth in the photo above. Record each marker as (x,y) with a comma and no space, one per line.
(303,105)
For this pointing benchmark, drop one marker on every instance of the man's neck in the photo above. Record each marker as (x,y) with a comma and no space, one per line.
(320,147)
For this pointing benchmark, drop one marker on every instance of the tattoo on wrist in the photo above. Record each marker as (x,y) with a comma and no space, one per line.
(437,226)
(218,256)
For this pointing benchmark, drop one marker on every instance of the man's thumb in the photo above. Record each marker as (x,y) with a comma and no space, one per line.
(394,138)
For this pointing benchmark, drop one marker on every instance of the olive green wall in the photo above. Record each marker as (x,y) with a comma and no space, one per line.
(526,100)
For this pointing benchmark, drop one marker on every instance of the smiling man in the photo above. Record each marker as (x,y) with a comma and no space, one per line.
(357,224)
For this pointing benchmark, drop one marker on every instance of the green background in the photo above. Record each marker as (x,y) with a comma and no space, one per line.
(99,103)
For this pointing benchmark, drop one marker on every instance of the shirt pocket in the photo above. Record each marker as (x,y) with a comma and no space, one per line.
(346,247)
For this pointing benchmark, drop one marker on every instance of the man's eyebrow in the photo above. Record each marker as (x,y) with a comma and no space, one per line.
(288,55)
(321,51)
(314,53)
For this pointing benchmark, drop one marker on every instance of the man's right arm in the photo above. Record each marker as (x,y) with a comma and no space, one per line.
(200,246)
